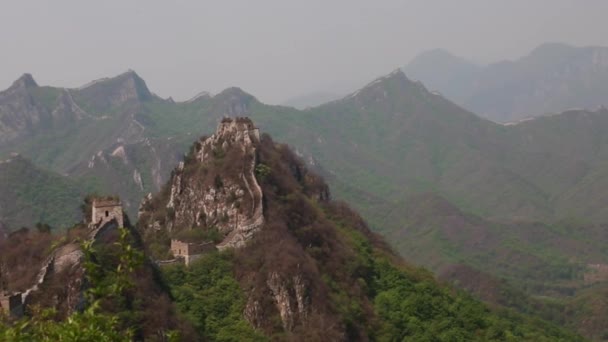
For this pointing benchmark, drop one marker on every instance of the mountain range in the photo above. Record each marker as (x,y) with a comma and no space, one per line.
(552,78)
(286,263)
(521,202)
(550,168)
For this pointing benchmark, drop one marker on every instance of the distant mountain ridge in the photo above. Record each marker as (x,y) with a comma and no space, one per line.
(441,71)
(377,147)
(552,78)
(444,148)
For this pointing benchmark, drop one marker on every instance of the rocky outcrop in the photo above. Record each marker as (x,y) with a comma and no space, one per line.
(67,108)
(290,298)
(233,102)
(113,92)
(264,203)
(19,111)
(26,81)
(26,108)
(65,266)
(66,262)
(215,188)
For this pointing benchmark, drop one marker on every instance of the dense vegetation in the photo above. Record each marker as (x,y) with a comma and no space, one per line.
(354,286)
(29,192)
(124,297)
(210,297)
(408,308)
(417,308)
(93,324)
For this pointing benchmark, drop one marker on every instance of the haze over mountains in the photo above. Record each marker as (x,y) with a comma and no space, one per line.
(550,79)
(347,171)
(117,128)
(446,185)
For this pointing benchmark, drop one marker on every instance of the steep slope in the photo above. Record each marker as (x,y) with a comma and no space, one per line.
(103,95)
(227,197)
(74,270)
(394,124)
(27,109)
(390,140)
(31,195)
(552,78)
(587,312)
(541,258)
(361,144)
(309,269)
(108,109)
(92,134)
(498,292)
(568,159)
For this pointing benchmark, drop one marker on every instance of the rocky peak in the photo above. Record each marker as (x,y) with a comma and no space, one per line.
(20,111)
(251,191)
(202,96)
(386,89)
(237,129)
(106,93)
(215,187)
(395,77)
(233,102)
(133,83)
(26,81)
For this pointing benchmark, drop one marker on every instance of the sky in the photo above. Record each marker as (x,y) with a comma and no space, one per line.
(273,49)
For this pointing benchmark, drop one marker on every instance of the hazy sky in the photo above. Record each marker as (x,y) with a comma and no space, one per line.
(274,49)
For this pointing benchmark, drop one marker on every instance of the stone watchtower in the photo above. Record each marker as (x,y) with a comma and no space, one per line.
(107,210)
(190,251)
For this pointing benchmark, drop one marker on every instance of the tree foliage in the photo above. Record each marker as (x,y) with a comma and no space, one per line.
(91,324)
(208,294)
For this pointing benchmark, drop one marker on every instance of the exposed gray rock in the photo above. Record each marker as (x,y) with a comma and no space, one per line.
(290,298)
(202,194)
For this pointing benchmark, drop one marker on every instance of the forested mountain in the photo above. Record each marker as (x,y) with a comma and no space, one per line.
(31,195)
(379,148)
(292,264)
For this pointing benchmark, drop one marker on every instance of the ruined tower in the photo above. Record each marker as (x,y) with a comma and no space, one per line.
(105,210)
